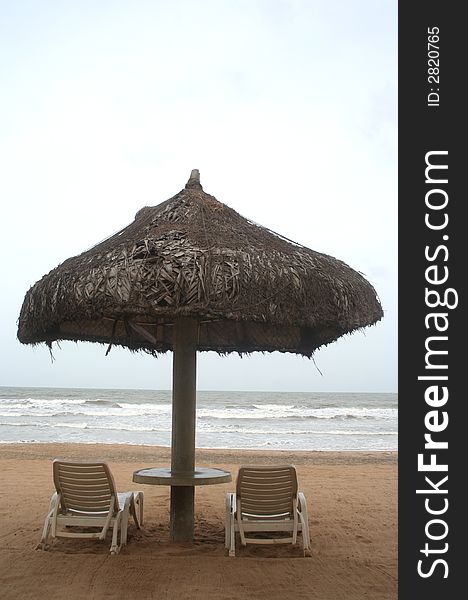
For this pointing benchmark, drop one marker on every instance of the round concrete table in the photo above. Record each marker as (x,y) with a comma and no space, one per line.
(199,476)
(182,487)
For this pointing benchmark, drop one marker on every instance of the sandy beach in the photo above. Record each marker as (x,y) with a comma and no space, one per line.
(352,501)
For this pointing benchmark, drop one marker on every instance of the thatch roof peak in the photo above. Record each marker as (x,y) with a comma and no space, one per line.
(250,289)
(194,181)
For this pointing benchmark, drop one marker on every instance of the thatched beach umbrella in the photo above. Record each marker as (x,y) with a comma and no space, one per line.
(192,274)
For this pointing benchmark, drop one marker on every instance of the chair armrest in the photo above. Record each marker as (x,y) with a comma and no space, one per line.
(304,517)
(302,503)
(54,501)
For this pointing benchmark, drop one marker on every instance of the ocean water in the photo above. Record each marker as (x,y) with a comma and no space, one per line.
(248,420)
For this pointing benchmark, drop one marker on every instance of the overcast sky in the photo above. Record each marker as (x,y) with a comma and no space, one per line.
(287,108)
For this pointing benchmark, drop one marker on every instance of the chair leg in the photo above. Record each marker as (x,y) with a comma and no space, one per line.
(136,508)
(51,515)
(115,549)
(232,537)
(230,532)
(227,523)
(124,530)
(137,504)
(42,545)
(129,503)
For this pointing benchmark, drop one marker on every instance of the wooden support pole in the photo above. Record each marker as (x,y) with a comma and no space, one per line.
(184,378)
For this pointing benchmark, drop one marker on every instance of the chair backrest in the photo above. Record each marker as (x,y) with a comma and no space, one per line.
(267,492)
(85,487)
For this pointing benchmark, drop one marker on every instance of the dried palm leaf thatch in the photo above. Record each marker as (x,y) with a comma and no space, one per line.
(192,256)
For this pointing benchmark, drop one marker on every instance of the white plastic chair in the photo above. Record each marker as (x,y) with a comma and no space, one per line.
(86,497)
(266,500)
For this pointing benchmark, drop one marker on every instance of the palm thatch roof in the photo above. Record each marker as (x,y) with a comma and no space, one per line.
(192,256)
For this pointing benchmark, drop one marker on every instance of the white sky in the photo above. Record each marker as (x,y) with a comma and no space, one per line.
(287,107)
